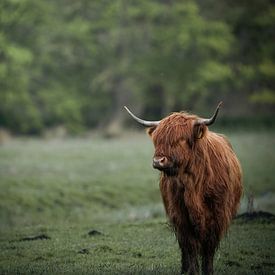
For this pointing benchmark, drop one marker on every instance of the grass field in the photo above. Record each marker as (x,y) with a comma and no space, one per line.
(92,205)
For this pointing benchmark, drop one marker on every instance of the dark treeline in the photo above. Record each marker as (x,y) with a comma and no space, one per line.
(76,63)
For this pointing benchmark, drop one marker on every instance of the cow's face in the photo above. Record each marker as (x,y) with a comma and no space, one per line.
(174,139)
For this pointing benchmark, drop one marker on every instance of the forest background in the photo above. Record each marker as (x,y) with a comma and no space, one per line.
(76,63)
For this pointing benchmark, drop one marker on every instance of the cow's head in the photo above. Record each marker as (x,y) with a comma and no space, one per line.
(174,138)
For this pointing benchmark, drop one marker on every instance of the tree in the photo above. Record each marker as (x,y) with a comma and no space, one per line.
(18,111)
(76,63)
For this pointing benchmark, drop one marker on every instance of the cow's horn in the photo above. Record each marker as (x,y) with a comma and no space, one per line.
(141,121)
(211,120)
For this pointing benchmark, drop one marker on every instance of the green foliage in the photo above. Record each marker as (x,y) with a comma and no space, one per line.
(77,63)
(187,56)
(253,24)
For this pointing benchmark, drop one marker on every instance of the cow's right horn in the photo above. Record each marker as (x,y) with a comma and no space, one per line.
(141,121)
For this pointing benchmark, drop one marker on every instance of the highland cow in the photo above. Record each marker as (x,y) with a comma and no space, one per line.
(200,183)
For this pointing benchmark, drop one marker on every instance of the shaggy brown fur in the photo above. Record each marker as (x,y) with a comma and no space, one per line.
(201,190)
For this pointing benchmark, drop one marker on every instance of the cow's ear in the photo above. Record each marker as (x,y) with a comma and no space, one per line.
(151,130)
(198,131)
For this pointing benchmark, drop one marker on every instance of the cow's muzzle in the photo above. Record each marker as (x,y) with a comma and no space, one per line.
(161,163)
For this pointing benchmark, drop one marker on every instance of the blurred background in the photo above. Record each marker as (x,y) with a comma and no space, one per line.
(76,63)
(68,67)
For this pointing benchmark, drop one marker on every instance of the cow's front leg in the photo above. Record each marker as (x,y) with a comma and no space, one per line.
(193,268)
(189,254)
(196,213)
(208,250)
(207,264)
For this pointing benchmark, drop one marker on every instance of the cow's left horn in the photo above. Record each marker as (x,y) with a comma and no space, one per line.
(141,121)
(211,120)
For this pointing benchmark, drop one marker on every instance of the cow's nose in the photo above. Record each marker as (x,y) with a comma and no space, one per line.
(159,162)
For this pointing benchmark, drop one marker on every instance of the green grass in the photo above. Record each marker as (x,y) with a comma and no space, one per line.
(140,247)
(256,153)
(65,188)
(74,179)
